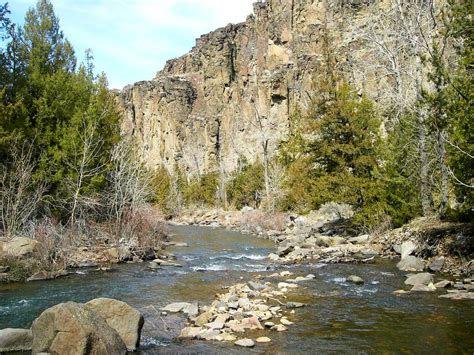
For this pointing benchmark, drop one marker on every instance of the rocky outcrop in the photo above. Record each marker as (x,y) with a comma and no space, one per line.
(233,93)
(69,328)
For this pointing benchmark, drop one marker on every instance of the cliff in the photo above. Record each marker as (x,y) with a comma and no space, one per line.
(231,96)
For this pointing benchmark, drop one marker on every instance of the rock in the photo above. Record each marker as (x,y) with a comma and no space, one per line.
(154,266)
(287,285)
(291,305)
(162,262)
(263,340)
(459,296)
(69,328)
(400,292)
(20,247)
(411,263)
(118,254)
(225,337)
(219,322)
(251,323)
(39,276)
(285,321)
(210,334)
(361,239)
(355,279)
(424,278)
(246,343)
(269,324)
(12,339)
(309,276)
(177,244)
(176,307)
(256,286)
(425,288)
(443,284)
(192,309)
(325,241)
(407,248)
(283,251)
(437,264)
(126,320)
(203,318)
(190,333)
(279,328)
(285,273)
(273,257)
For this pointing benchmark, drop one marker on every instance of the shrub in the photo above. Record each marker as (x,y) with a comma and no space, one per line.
(247,186)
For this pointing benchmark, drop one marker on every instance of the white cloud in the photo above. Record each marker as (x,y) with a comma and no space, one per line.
(131,39)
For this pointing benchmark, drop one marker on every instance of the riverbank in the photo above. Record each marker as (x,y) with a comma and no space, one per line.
(55,252)
(425,244)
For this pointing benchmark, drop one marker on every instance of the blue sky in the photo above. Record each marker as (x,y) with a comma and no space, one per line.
(132,39)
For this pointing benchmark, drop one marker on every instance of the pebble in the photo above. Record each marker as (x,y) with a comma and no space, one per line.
(263,340)
(279,328)
(285,321)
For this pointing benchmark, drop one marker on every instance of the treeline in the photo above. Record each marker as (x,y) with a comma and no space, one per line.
(409,154)
(65,173)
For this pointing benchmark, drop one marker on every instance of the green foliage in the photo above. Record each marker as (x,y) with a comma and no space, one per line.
(247,186)
(161,183)
(69,116)
(202,191)
(401,177)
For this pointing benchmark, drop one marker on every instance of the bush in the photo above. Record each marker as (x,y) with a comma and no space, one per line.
(247,186)
(202,191)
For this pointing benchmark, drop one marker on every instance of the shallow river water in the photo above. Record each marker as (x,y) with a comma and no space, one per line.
(340,317)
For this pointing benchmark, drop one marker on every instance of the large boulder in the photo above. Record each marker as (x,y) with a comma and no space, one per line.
(15,340)
(126,320)
(407,248)
(71,329)
(20,247)
(424,278)
(411,263)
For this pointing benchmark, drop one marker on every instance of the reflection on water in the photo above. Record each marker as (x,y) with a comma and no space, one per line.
(340,317)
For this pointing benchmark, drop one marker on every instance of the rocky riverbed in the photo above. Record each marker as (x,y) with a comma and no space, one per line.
(227,275)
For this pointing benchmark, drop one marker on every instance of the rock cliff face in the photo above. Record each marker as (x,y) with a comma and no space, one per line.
(231,96)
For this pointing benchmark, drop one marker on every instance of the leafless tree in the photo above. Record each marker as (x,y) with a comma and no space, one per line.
(130,184)
(20,193)
(84,164)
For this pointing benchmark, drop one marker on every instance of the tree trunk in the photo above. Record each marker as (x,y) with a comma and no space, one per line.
(444,189)
(425,188)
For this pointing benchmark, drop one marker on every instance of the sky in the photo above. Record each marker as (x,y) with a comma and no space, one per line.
(132,39)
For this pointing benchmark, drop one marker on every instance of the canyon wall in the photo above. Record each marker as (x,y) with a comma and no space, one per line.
(231,96)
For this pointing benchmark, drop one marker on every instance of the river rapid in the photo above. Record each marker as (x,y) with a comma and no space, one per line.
(339,317)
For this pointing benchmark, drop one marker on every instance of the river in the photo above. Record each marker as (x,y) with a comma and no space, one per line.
(340,317)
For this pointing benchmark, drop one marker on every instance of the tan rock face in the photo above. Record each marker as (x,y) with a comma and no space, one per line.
(127,321)
(215,106)
(69,328)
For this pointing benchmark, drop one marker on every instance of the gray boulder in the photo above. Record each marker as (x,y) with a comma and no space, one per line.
(355,279)
(424,278)
(407,248)
(69,328)
(436,264)
(126,320)
(15,340)
(411,263)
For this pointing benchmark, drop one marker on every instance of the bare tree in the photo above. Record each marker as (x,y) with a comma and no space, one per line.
(84,164)
(20,193)
(130,184)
